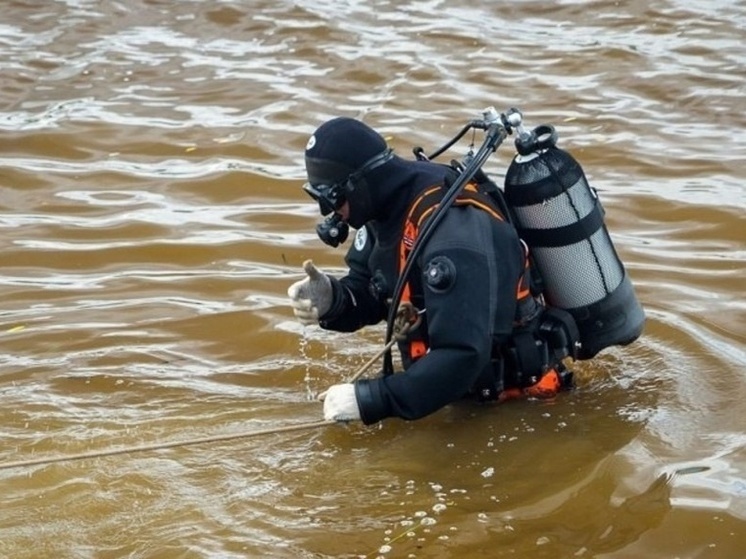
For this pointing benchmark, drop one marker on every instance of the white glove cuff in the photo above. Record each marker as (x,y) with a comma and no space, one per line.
(340,403)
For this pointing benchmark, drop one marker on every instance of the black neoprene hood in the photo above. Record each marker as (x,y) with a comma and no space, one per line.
(337,153)
(339,147)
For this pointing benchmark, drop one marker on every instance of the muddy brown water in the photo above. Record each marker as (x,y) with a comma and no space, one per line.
(151,217)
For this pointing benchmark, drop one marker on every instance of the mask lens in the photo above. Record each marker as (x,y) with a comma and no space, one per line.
(329,197)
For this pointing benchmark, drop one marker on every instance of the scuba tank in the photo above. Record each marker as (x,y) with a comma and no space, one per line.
(560,218)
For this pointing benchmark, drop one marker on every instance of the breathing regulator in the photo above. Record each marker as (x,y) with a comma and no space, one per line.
(334,231)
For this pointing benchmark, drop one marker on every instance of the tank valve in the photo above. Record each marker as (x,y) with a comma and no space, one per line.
(514,119)
(528,142)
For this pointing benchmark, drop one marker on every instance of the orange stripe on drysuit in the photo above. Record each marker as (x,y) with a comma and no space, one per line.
(417,348)
(523,289)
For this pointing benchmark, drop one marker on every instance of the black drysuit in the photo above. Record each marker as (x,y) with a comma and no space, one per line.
(463,320)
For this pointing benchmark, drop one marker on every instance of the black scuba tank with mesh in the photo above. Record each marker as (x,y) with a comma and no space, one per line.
(561,219)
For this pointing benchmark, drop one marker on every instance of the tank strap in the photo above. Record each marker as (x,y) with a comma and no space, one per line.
(567,235)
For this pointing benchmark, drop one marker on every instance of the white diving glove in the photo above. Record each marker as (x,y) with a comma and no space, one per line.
(311,297)
(340,403)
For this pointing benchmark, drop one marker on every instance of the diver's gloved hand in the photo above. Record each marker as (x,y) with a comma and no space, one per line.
(340,403)
(311,297)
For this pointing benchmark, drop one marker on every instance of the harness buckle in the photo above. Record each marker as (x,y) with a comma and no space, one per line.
(409,317)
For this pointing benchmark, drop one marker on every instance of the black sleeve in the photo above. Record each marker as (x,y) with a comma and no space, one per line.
(353,305)
(460,319)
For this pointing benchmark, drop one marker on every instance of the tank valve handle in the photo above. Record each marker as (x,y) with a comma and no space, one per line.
(528,142)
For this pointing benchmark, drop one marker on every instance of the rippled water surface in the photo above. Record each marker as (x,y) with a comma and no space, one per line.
(151,221)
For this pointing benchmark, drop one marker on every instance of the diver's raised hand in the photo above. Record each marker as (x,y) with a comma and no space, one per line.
(311,297)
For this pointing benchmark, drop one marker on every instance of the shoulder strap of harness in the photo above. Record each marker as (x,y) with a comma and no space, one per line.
(422,208)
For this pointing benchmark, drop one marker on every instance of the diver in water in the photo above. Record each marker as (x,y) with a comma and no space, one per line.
(482,329)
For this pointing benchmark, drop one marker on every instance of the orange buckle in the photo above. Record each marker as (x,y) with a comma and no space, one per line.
(417,349)
(546,388)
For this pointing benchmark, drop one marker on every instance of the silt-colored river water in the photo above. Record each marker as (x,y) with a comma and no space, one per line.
(151,220)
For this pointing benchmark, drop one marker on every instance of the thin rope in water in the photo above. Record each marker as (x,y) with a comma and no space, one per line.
(203,440)
(160,446)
